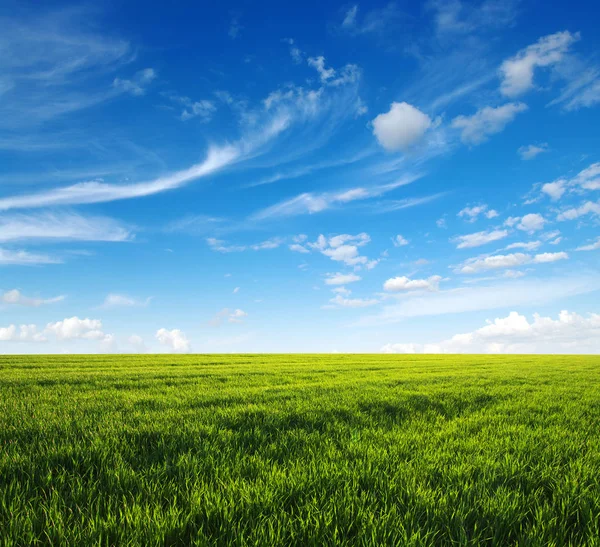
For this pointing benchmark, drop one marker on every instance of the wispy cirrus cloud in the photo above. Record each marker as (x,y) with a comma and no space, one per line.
(9,257)
(16,297)
(310,202)
(61,226)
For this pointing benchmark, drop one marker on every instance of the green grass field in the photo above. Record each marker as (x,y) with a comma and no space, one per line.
(300,450)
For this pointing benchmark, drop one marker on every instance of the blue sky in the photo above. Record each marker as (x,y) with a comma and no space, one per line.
(299,177)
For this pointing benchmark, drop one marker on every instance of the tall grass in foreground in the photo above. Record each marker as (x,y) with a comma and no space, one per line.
(300,450)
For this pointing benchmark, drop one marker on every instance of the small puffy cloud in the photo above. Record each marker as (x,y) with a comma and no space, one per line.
(236,290)
(401,127)
(318,63)
(203,110)
(399,241)
(226,314)
(396,284)
(341,278)
(554,189)
(237,316)
(344,248)
(341,290)
(296,247)
(138,84)
(441,223)
(173,339)
(330,77)
(590,247)
(517,72)
(471,213)
(531,223)
(478,238)
(532,150)
(16,297)
(295,52)
(486,121)
(76,328)
(348,254)
(587,208)
(586,180)
(495,262)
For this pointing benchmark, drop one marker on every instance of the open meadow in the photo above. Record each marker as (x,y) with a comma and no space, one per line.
(300,450)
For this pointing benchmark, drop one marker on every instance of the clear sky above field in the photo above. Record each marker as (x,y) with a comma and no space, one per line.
(306,176)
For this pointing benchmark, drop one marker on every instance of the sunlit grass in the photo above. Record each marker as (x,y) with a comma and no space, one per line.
(300,450)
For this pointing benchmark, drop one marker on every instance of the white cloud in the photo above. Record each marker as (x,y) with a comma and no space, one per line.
(549,257)
(268,244)
(113,300)
(318,63)
(554,189)
(517,72)
(344,248)
(25,258)
(528,246)
(24,333)
(396,284)
(586,180)
(400,241)
(15,296)
(589,207)
(310,203)
(350,17)
(251,144)
(531,223)
(296,247)
(174,339)
(203,109)
(137,342)
(495,262)
(478,238)
(75,328)
(237,316)
(234,27)
(66,226)
(138,84)
(471,213)
(590,247)
(236,290)
(341,301)
(348,254)
(99,192)
(500,295)
(569,333)
(532,150)
(441,223)
(401,127)
(226,314)
(330,77)
(486,121)
(341,278)
(341,290)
